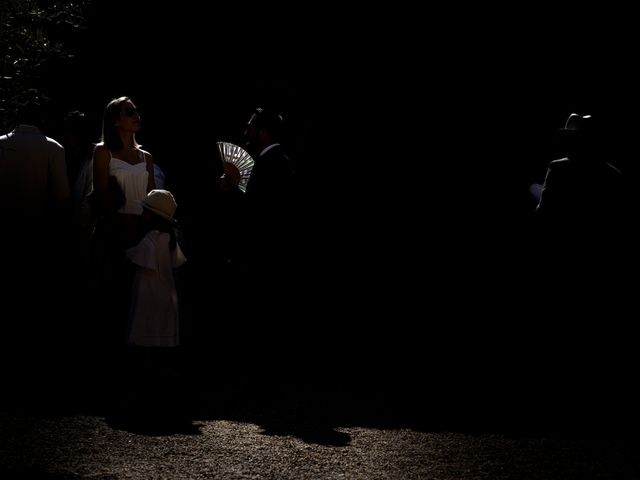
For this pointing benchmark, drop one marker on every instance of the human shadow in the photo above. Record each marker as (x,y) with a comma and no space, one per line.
(323,412)
(297,410)
(279,409)
(316,433)
(154,407)
(152,425)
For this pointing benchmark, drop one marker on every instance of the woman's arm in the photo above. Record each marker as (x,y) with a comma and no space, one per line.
(101,160)
(151,179)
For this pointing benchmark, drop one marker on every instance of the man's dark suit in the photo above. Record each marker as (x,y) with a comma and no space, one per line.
(271,205)
(582,192)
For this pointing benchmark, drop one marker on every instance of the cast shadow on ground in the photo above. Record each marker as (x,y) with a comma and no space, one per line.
(317,413)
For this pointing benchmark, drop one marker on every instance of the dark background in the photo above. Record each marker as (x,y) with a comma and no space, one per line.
(415,135)
(436,113)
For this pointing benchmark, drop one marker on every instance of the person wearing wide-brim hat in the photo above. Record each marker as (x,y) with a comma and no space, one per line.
(153,319)
(578,132)
(577,123)
(582,188)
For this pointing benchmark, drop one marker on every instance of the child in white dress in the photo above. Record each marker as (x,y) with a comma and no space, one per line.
(153,319)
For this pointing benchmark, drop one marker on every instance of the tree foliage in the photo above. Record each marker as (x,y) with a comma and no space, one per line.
(35,38)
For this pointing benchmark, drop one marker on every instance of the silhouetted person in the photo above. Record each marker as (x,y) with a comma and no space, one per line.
(270,258)
(33,178)
(159,176)
(119,155)
(581,190)
(270,201)
(78,152)
(77,145)
(153,319)
(583,215)
(233,227)
(122,175)
(34,206)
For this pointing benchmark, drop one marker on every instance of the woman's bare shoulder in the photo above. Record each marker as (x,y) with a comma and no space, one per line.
(146,155)
(100,151)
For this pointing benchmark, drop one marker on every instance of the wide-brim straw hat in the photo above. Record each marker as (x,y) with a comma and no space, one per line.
(577,124)
(160,202)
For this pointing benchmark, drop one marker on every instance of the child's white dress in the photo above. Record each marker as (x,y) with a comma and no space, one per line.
(153,319)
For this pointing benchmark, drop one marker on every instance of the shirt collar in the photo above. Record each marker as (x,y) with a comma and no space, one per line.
(269,148)
(26,129)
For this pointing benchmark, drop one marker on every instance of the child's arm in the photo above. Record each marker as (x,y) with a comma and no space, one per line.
(144,254)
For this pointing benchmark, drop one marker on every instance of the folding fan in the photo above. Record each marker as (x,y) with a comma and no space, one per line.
(239,158)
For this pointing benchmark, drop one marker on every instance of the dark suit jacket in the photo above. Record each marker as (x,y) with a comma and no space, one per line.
(582,192)
(271,204)
(271,182)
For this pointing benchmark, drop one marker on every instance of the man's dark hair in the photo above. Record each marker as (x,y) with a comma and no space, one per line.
(31,113)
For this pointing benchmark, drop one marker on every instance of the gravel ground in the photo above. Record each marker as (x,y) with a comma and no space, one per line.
(289,433)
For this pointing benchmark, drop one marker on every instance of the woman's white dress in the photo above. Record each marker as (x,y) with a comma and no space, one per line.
(133,180)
